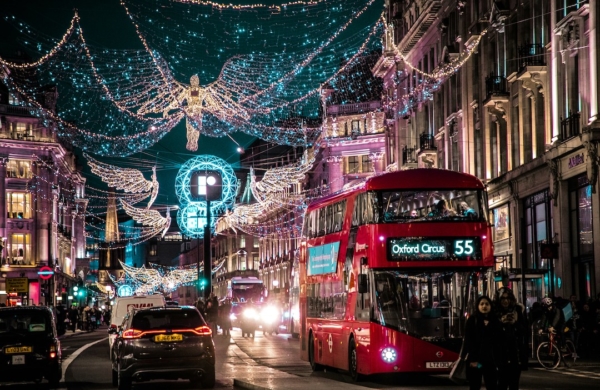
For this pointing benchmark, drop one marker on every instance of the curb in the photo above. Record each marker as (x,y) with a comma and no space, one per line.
(247,385)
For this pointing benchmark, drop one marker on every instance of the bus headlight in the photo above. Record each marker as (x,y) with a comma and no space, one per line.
(232,317)
(389,355)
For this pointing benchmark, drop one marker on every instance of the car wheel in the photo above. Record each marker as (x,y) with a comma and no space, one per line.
(123,383)
(208,379)
(311,355)
(115,378)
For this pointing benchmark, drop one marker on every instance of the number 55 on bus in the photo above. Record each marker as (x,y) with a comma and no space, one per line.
(388,269)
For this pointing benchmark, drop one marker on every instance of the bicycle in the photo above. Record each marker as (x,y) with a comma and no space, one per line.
(550,356)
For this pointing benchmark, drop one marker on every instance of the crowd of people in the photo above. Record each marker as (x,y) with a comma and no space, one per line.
(498,334)
(216,314)
(85,318)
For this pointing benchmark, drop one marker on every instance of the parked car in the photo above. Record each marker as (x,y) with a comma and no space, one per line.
(171,342)
(124,304)
(29,345)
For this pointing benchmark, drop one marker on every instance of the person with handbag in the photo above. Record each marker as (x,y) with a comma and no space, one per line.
(483,347)
(515,329)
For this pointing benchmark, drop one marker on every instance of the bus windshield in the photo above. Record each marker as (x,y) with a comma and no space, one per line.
(432,205)
(426,305)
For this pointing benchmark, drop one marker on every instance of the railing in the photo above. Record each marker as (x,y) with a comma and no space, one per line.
(17,110)
(570,126)
(409,155)
(496,85)
(531,55)
(354,108)
(426,142)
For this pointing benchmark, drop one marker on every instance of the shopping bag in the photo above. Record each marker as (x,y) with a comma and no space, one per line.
(458,374)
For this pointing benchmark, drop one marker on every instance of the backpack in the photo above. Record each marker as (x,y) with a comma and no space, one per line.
(566,309)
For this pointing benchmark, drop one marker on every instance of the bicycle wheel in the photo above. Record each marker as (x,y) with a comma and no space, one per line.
(571,355)
(548,355)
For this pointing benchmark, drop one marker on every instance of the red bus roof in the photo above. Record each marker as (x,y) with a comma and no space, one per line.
(418,179)
(423,178)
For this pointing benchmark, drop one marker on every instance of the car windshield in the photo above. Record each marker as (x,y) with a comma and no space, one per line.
(432,205)
(25,322)
(167,319)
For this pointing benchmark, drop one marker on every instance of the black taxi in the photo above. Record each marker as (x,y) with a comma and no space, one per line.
(29,345)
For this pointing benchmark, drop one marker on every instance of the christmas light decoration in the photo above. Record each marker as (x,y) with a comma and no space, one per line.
(151,218)
(126,179)
(131,99)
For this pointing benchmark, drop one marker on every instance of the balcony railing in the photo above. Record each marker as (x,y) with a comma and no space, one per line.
(409,155)
(531,55)
(426,142)
(570,126)
(10,109)
(496,85)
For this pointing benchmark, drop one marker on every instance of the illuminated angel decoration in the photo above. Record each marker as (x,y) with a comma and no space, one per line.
(151,218)
(126,179)
(195,100)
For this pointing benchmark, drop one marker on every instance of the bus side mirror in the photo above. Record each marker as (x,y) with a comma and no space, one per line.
(362,284)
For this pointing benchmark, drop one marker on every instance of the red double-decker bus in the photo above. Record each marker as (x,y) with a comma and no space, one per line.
(388,270)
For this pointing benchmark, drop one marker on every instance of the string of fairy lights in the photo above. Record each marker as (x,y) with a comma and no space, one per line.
(134,97)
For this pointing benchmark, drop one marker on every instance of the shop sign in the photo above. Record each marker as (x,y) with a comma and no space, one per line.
(576,160)
(17,285)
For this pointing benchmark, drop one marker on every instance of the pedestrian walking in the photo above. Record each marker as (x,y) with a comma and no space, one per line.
(483,346)
(515,331)
(225,319)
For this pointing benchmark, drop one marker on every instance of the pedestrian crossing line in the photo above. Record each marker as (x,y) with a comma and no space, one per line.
(573,372)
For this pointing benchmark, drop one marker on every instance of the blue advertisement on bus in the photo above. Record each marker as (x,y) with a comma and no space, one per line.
(323,259)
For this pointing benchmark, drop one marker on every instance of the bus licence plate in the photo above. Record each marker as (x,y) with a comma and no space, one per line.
(165,338)
(438,364)
(11,350)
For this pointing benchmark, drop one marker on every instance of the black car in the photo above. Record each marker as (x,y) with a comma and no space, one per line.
(164,343)
(29,345)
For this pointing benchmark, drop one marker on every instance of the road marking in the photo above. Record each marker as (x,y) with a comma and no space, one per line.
(573,372)
(74,355)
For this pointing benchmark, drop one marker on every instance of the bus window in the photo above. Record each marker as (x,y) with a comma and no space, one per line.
(320,221)
(431,205)
(329,224)
(338,215)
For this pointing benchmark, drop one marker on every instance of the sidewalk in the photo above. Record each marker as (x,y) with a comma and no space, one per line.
(234,367)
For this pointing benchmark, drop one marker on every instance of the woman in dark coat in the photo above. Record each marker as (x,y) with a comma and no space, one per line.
(515,328)
(483,349)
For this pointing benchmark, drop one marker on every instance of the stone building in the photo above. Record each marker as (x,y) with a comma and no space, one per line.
(42,205)
(507,91)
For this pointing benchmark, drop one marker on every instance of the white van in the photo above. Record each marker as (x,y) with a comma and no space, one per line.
(124,304)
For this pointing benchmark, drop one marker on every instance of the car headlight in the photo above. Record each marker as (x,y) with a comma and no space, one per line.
(250,314)
(232,317)
(270,314)
(389,355)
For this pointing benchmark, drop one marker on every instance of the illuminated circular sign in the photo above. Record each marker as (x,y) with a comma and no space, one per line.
(45,272)
(125,291)
(191,216)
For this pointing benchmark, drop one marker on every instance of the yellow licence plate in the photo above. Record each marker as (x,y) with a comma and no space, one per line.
(165,338)
(8,350)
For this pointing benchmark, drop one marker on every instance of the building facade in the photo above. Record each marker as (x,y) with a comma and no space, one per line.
(506,91)
(42,206)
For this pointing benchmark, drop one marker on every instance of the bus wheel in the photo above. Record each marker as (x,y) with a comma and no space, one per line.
(353,361)
(311,355)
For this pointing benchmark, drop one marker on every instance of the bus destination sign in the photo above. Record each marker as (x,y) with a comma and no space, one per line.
(433,249)
(322,259)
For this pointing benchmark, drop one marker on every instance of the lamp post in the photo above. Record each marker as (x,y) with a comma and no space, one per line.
(207,254)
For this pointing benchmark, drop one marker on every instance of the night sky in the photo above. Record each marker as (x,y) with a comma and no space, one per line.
(171,28)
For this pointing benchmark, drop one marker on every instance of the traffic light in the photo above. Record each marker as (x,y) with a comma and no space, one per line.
(201,283)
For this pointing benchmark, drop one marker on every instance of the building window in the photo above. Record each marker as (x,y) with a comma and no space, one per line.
(18,205)
(13,100)
(367,165)
(355,126)
(20,169)
(19,249)
(152,251)
(242,242)
(256,260)
(353,164)
(256,242)
(538,227)
(582,235)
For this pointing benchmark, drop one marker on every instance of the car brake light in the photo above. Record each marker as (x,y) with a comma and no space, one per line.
(202,331)
(132,334)
(53,350)
(113,326)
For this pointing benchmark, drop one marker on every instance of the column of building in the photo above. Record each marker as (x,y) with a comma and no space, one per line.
(43,211)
